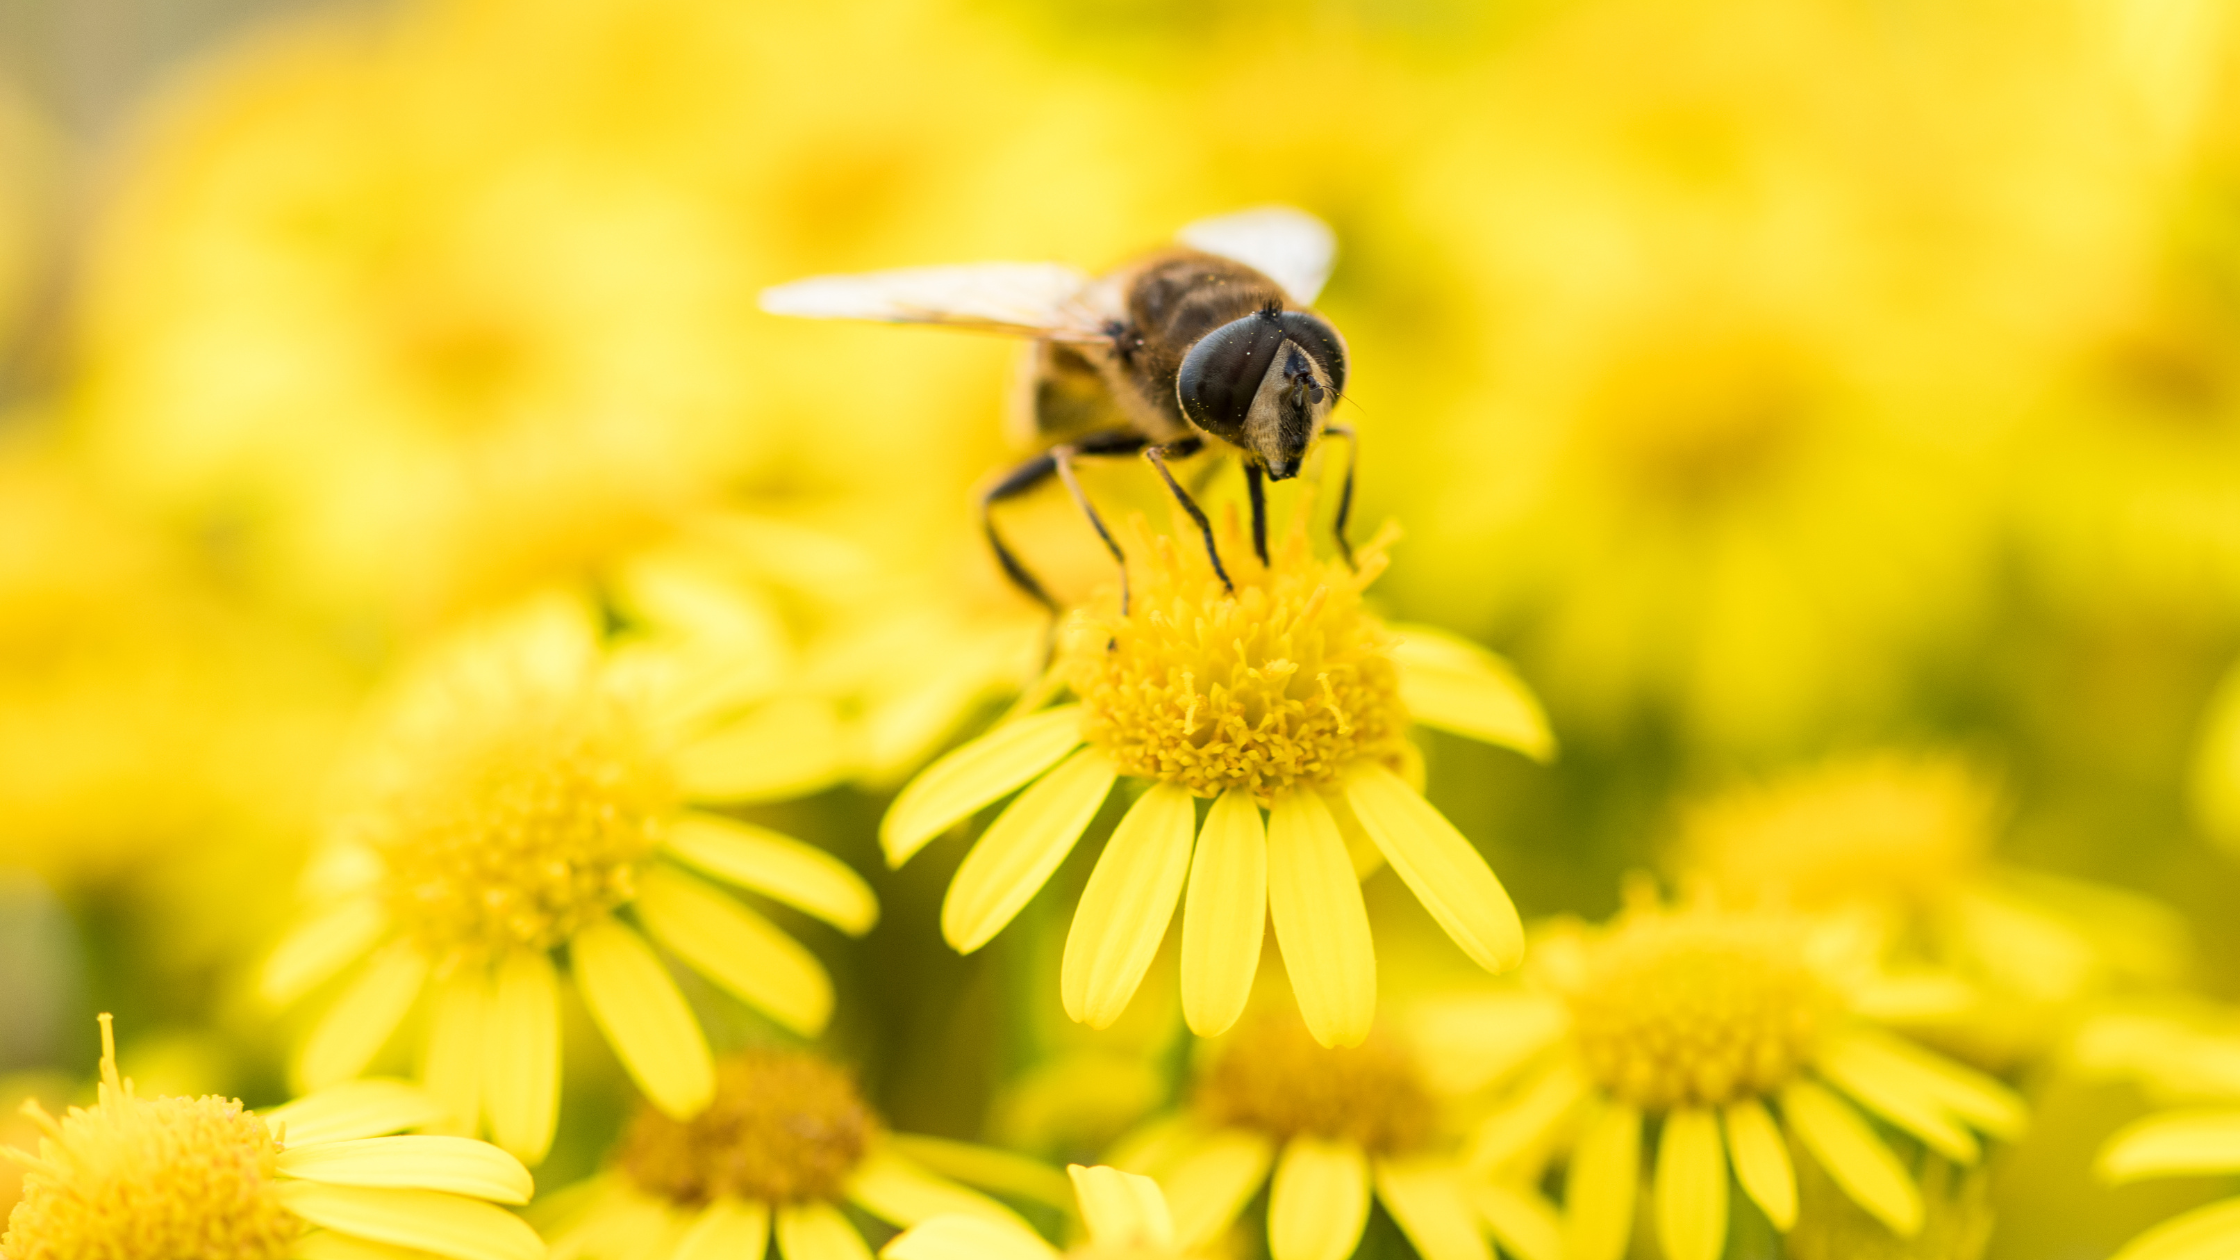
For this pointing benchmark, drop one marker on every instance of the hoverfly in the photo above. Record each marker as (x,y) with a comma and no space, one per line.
(1208,341)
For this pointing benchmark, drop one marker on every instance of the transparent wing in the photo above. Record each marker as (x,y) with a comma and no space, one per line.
(1032,299)
(1290,247)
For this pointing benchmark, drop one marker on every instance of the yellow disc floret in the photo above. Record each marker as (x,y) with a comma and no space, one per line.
(785,1127)
(1696,1008)
(516,818)
(150,1179)
(1273,1078)
(1287,681)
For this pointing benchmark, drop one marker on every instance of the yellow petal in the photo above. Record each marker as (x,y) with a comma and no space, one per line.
(455,1165)
(1966,1093)
(361,1020)
(354,1109)
(1470,1042)
(967,1238)
(1761,1162)
(325,1244)
(316,949)
(815,1230)
(1691,1186)
(453,1064)
(728,1229)
(521,1073)
(1020,851)
(1321,924)
(735,947)
(777,866)
(1125,909)
(1446,874)
(1319,1202)
(790,747)
(1428,1204)
(442,1223)
(1889,1094)
(1225,914)
(2174,1144)
(1604,1180)
(1525,1224)
(1124,1212)
(1516,1138)
(899,1192)
(1454,684)
(1209,1187)
(975,776)
(635,1003)
(987,1168)
(2209,1233)
(1854,1157)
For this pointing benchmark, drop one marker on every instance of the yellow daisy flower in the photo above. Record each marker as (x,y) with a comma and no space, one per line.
(1287,696)
(1740,1035)
(526,796)
(135,1178)
(1127,1216)
(784,1147)
(1324,1129)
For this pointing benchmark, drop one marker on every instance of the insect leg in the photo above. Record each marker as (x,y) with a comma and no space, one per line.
(1259,496)
(1345,488)
(1063,456)
(1010,486)
(1179,449)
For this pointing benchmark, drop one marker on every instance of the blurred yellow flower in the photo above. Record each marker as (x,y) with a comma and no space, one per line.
(1286,695)
(2193,1142)
(524,792)
(1127,1216)
(317,1177)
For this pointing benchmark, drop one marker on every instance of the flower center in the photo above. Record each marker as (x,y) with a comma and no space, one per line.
(515,821)
(162,1178)
(1288,681)
(1273,1078)
(1696,1008)
(784,1127)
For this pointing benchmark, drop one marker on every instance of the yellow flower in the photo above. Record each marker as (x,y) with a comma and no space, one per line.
(525,796)
(134,1178)
(2188,1142)
(785,1145)
(1323,1129)
(1127,1217)
(1288,696)
(1739,1034)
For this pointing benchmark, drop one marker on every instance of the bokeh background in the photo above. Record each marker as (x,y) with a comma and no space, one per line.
(1773,381)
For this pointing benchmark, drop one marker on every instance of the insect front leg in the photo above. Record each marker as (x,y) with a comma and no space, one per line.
(1180,449)
(1258,493)
(1345,489)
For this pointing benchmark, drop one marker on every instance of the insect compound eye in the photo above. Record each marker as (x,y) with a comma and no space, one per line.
(1320,340)
(1222,373)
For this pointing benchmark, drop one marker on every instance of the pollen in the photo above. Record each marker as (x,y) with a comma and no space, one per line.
(150,1179)
(1696,1008)
(1273,1078)
(785,1127)
(1288,681)
(518,819)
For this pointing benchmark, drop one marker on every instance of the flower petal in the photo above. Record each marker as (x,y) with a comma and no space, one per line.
(1604,1180)
(325,1244)
(361,1020)
(735,947)
(1520,1220)
(1761,1161)
(1428,1204)
(353,1109)
(1470,1042)
(968,1238)
(445,1224)
(1853,1156)
(636,1004)
(1691,1187)
(976,775)
(317,948)
(728,1229)
(1891,1095)
(1446,874)
(815,1230)
(987,1168)
(1321,924)
(1966,1093)
(2173,1144)
(2208,1233)
(1020,851)
(1514,1140)
(1454,684)
(1209,1187)
(521,1068)
(452,1064)
(790,747)
(454,1165)
(1124,1212)
(777,866)
(1319,1202)
(899,1192)
(1224,914)
(1124,910)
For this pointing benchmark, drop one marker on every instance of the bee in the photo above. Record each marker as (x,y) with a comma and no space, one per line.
(1208,343)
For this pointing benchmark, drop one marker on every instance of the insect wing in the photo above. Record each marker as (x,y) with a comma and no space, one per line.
(1032,299)
(1290,247)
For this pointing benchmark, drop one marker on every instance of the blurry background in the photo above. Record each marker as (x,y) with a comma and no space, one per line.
(1771,381)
